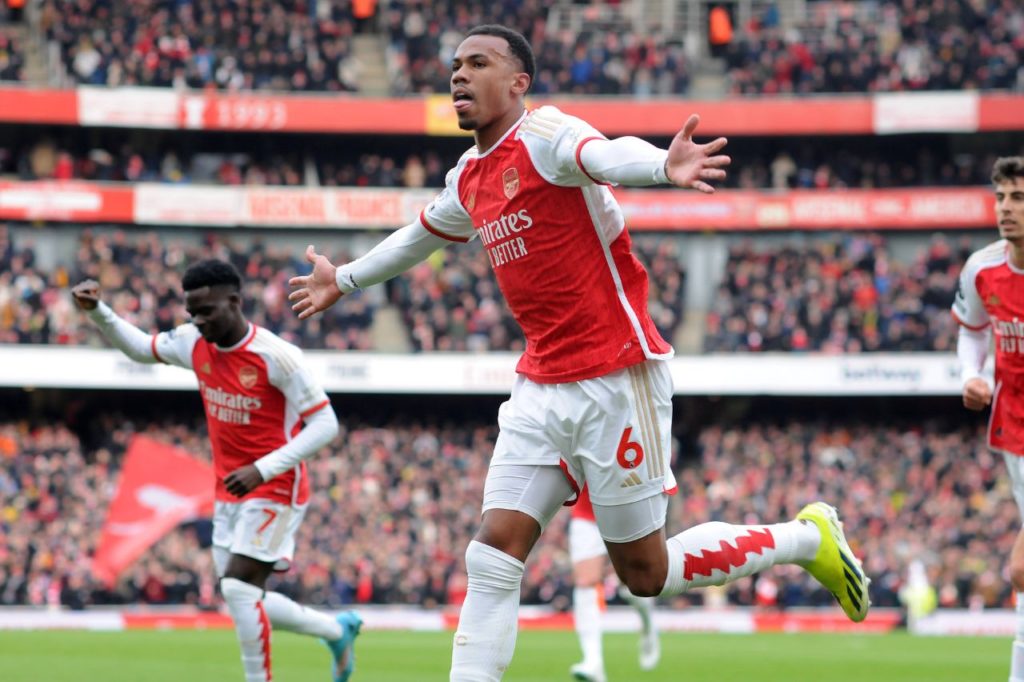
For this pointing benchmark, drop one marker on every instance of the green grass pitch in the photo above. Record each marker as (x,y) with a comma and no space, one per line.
(211,656)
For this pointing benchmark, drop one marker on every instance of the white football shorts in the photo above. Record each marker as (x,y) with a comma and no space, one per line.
(261,529)
(614,432)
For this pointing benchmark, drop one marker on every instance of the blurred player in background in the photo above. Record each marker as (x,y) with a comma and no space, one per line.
(593,400)
(990,300)
(587,551)
(266,414)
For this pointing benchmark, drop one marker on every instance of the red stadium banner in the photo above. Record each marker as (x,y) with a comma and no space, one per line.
(161,486)
(919,208)
(168,109)
(72,201)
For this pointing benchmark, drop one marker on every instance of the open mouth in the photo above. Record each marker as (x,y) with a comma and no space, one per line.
(462,100)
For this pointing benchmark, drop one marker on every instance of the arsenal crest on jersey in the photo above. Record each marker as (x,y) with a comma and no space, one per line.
(510,181)
(248,376)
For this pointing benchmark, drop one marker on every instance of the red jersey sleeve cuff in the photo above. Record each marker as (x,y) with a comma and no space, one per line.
(433,230)
(316,408)
(579,158)
(969,326)
(152,347)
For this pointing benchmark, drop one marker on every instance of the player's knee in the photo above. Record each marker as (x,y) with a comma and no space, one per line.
(236,591)
(645,584)
(492,570)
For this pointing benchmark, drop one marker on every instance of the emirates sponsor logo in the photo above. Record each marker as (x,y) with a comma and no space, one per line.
(1010,335)
(230,408)
(492,231)
(510,182)
(501,237)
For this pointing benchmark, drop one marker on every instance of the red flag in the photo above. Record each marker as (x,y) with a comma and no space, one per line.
(161,486)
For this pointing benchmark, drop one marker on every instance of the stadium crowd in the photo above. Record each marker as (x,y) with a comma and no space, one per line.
(394,505)
(845,296)
(47,159)
(618,61)
(815,295)
(768,164)
(449,302)
(259,45)
(882,47)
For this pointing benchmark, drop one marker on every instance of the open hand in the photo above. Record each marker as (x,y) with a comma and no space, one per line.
(316,291)
(977,394)
(695,165)
(243,480)
(86,294)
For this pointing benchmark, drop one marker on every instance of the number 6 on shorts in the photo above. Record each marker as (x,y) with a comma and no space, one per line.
(630,453)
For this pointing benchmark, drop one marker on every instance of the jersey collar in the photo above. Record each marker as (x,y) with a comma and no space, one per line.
(244,342)
(505,136)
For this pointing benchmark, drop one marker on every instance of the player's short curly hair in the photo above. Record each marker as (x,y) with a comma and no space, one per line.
(1007,168)
(517,45)
(211,273)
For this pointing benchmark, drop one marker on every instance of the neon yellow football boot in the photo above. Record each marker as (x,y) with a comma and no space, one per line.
(834,566)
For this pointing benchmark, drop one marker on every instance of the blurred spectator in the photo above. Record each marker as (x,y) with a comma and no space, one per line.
(12,62)
(845,296)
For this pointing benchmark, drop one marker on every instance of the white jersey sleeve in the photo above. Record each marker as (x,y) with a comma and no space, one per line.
(288,373)
(445,216)
(175,347)
(306,403)
(968,308)
(554,140)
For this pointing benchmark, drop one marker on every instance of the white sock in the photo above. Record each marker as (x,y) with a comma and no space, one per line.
(245,602)
(486,636)
(643,606)
(716,553)
(586,615)
(1017,658)
(294,617)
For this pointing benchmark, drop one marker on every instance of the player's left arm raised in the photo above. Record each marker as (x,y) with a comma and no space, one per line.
(634,162)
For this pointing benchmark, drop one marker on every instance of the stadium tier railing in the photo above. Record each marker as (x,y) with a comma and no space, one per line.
(922,208)
(167,109)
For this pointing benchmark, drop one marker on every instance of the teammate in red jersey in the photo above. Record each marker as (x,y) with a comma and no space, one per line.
(266,414)
(593,400)
(990,300)
(588,552)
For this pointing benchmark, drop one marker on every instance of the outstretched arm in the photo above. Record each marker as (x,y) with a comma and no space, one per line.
(321,289)
(130,340)
(634,162)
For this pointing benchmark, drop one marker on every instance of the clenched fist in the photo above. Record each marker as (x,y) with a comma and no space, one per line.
(86,294)
(977,394)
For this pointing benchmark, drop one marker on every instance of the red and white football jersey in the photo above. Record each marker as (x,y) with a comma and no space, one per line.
(556,239)
(255,394)
(991,292)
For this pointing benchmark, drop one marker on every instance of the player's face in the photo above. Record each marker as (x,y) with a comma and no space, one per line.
(215,312)
(487,82)
(1010,209)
